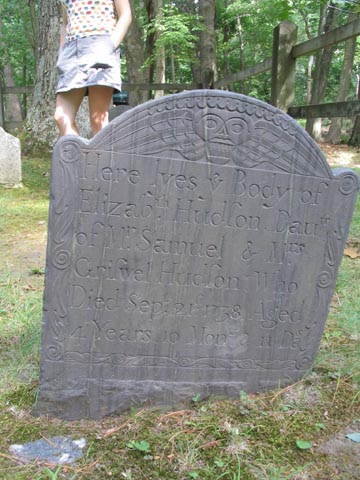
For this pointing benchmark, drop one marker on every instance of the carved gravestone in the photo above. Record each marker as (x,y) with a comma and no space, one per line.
(10,159)
(193,249)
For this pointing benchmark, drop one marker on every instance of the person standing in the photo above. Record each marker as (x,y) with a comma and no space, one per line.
(89,60)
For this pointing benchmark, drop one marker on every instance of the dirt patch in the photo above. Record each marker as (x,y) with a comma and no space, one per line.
(341,155)
(24,255)
(343,454)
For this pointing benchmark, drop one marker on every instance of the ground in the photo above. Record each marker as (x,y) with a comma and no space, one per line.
(341,155)
(24,256)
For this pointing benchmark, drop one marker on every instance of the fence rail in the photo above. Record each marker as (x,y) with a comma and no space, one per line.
(9,125)
(336,109)
(244,74)
(337,35)
(282,65)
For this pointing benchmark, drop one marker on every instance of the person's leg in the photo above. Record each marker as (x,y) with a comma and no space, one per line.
(67,106)
(99,104)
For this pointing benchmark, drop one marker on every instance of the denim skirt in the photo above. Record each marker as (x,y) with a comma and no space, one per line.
(88,61)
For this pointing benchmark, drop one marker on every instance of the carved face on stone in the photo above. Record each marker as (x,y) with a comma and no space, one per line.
(220,136)
(211,127)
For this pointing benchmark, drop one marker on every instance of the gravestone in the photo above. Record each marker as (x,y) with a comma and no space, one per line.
(118,110)
(10,159)
(193,249)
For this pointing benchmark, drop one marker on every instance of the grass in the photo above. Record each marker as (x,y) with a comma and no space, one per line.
(275,436)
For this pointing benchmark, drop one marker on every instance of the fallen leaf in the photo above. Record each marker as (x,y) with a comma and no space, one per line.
(352,252)
(303,444)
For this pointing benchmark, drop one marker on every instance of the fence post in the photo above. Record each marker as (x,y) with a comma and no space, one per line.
(283,66)
(2,110)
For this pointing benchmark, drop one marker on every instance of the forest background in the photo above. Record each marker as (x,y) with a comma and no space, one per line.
(187,41)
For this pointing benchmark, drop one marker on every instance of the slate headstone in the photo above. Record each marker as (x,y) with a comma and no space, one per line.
(118,110)
(193,249)
(10,159)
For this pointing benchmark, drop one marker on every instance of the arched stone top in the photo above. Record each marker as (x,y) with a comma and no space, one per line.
(218,127)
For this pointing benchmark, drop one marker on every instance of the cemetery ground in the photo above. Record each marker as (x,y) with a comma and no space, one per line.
(297,432)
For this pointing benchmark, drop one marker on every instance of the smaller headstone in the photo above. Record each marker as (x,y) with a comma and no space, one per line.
(10,159)
(56,450)
(118,110)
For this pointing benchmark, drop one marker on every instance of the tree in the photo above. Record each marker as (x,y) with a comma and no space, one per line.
(8,80)
(135,53)
(355,134)
(247,28)
(190,41)
(327,21)
(18,27)
(305,14)
(207,44)
(40,118)
(334,134)
(157,66)
(175,42)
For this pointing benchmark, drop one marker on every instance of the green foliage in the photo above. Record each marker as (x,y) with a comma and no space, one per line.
(303,444)
(176,32)
(244,32)
(142,446)
(18,39)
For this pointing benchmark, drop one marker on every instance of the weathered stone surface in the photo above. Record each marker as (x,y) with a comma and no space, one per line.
(54,450)
(193,249)
(10,159)
(118,110)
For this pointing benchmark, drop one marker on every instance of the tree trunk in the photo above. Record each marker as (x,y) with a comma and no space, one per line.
(159,67)
(208,44)
(40,118)
(12,106)
(241,51)
(33,32)
(328,17)
(355,134)
(334,134)
(311,60)
(135,58)
(172,63)
(226,65)
(309,79)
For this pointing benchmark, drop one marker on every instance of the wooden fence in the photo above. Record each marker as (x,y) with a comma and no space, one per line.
(9,125)
(282,65)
